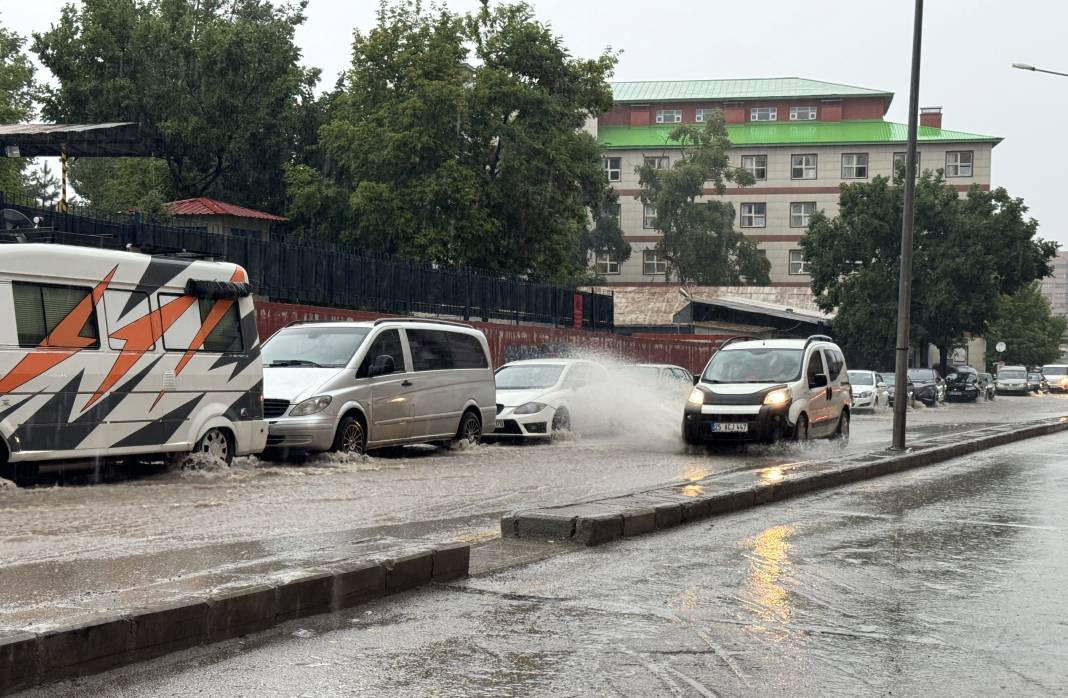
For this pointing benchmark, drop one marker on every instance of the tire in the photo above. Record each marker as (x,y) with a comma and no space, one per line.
(470,429)
(351,436)
(841,434)
(801,428)
(561,422)
(217,443)
(22,474)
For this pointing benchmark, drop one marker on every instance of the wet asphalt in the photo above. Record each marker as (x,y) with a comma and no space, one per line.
(943,581)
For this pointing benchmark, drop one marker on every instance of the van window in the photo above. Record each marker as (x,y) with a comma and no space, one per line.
(467,351)
(388,344)
(835,363)
(39,308)
(815,366)
(225,337)
(431,350)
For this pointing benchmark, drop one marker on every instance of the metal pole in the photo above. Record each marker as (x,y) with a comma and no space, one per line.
(63,181)
(904,292)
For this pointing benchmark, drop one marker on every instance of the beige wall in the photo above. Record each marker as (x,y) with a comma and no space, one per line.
(224,224)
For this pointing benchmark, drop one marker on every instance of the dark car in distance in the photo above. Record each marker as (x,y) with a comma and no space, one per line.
(1036,383)
(927,386)
(891,388)
(962,384)
(986,385)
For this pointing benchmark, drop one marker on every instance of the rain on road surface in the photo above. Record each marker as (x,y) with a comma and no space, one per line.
(943,581)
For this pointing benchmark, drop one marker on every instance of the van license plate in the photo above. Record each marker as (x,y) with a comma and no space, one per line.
(730,426)
(498,424)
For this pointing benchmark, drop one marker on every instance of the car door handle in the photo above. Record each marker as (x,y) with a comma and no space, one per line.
(406,382)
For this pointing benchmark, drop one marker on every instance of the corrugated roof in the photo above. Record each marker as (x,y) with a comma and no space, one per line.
(649,306)
(203,206)
(787,133)
(759,88)
(118,139)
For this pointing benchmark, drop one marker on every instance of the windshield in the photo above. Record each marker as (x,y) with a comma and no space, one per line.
(860,378)
(317,347)
(527,376)
(1011,374)
(1055,370)
(757,365)
(921,374)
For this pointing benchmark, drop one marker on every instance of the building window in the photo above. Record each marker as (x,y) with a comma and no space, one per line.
(763,114)
(854,166)
(797,262)
(802,113)
(614,212)
(668,116)
(803,166)
(756,165)
(899,163)
(652,264)
(648,217)
(704,115)
(801,213)
(613,167)
(661,162)
(959,163)
(604,264)
(754,215)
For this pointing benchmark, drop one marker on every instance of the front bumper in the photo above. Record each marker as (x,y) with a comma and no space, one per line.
(763,424)
(926,393)
(312,433)
(1015,389)
(963,394)
(510,425)
(861,403)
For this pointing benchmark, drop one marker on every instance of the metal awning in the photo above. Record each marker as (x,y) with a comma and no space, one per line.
(122,139)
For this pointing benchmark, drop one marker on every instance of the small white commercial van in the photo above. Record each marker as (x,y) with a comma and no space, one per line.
(106,354)
(769,389)
(357,386)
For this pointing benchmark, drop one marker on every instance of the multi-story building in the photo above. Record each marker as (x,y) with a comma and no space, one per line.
(1055,288)
(799,138)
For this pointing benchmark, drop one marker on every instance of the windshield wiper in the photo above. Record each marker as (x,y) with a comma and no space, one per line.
(294,362)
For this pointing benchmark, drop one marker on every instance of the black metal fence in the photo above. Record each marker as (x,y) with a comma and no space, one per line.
(325,274)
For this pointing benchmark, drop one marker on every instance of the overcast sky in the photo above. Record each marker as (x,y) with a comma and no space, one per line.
(968,49)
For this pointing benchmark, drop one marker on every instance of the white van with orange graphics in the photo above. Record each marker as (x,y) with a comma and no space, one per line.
(106,354)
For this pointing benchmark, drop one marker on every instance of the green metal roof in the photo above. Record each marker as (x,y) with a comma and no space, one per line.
(789,133)
(761,88)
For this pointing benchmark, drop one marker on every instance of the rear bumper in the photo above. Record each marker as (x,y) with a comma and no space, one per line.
(764,425)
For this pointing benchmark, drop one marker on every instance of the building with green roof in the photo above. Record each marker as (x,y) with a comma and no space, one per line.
(800,138)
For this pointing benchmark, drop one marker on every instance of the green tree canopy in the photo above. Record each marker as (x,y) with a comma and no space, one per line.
(220,81)
(1031,334)
(17,90)
(699,243)
(458,138)
(968,252)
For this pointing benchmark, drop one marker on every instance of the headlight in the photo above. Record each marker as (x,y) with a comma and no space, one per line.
(865,393)
(697,397)
(311,406)
(530,408)
(777,397)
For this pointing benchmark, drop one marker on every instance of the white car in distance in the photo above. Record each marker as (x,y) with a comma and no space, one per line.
(540,398)
(869,391)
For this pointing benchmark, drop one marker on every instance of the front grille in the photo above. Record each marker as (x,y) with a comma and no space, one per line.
(510,427)
(728,417)
(714,398)
(274,408)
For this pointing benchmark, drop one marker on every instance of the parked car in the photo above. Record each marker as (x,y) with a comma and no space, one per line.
(768,389)
(1056,376)
(117,355)
(986,386)
(927,386)
(664,378)
(1036,383)
(869,390)
(891,387)
(357,386)
(962,384)
(540,398)
(1011,380)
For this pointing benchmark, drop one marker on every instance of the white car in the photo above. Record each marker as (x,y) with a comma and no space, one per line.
(1056,376)
(1011,379)
(869,390)
(542,397)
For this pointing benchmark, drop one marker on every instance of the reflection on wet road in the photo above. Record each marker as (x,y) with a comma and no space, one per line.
(943,581)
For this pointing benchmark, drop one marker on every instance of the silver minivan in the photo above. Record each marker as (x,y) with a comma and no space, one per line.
(358,386)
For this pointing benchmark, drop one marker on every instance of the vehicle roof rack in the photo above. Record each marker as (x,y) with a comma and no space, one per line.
(435,321)
(818,338)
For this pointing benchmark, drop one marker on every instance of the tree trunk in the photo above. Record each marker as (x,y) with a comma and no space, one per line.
(943,359)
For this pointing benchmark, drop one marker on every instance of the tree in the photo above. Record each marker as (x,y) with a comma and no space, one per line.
(427,156)
(17,91)
(699,241)
(1031,334)
(42,185)
(968,252)
(121,185)
(219,80)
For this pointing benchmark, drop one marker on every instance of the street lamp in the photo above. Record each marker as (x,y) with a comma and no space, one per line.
(1033,69)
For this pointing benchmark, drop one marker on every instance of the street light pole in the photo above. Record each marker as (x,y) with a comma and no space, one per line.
(1033,69)
(904,289)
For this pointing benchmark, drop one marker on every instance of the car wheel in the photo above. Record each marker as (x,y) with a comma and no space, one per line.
(470,430)
(351,437)
(561,421)
(841,434)
(218,444)
(801,428)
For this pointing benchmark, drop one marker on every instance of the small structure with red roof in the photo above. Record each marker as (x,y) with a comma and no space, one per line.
(215,216)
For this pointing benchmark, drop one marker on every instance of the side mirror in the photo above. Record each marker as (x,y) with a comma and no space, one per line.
(382,366)
(881,385)
(818,381)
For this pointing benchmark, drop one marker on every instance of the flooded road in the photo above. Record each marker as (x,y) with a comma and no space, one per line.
(943,581)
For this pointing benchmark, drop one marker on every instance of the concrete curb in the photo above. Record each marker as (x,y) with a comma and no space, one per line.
(605,520)
(100,643)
